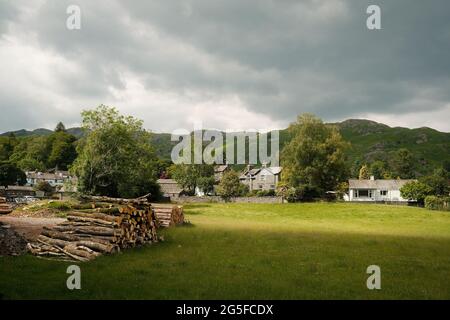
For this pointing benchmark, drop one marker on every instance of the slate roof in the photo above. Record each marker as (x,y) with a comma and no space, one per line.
(394,184)
(169,186)
(220,168)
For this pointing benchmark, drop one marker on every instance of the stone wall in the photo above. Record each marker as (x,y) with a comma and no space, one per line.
(217,199)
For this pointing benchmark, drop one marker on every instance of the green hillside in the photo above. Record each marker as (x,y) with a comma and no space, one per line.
(369,140)
(375,141)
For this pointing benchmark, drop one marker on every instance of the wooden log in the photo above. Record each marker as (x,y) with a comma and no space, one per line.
(138,201)
(54,242)
(100,231)
(95,215)
(90,220)
(73,256)
(74,250)
(74,238)
(96,246)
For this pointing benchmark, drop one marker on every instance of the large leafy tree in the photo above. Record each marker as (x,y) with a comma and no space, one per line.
(115,157)
(191,176)
(63,152)
(230,186)
(416,190)
(403,164)
(10,174)
(314,159)
(7,145)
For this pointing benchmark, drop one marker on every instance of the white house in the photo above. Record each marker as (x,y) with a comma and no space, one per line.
(376,190)
(55,179)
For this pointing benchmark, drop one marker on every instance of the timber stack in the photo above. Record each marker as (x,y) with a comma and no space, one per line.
(5,208)
(168,215)
(104,228)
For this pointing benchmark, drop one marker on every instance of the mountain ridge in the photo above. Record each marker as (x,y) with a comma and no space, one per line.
(370,141)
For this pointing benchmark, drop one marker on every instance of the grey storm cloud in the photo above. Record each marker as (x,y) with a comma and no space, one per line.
(165,61)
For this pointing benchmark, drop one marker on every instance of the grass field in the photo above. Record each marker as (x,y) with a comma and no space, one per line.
(260,251)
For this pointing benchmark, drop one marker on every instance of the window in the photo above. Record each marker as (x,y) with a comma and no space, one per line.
(363,193)
(383,192)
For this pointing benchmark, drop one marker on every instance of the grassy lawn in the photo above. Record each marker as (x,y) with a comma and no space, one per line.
(260,251)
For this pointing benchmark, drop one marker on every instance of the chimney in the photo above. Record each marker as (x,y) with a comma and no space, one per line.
(372,178)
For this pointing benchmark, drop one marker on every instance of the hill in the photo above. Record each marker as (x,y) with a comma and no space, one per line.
(369,140)
(375,141)
(77,132)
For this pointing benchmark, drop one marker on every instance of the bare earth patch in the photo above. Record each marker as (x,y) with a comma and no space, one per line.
(29,228)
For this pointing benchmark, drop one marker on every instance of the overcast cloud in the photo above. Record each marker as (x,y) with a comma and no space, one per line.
(231,64)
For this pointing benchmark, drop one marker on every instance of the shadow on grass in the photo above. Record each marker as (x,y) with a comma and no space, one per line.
(196,205)
(223,263)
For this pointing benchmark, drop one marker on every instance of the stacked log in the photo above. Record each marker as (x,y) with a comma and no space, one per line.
(5,208)
(168,215)
(86,235)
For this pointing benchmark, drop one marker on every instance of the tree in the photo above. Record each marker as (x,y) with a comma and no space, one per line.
(379,170)
(230,186)
(415,190)
(438,182)
(115,157)
(314,158)
(44,186)
(31,153)
(403,164)
(63,152)
(364,173)
(10,174)
(206,184)
(60,127)
(7,145)
(191,176)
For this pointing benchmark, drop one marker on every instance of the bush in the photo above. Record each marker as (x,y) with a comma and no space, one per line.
(415,190)
(59,205)
(437,203)
(265,193)
(44,186)
(230,186)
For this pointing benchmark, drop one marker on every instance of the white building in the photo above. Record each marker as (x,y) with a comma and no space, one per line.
(55,179)
(376,190)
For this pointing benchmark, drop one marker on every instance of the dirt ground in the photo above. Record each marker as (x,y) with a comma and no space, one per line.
(29,228)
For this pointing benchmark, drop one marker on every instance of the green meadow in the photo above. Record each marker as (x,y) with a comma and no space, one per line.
(262,251)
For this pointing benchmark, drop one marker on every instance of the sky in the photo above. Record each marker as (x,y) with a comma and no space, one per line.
(234,64)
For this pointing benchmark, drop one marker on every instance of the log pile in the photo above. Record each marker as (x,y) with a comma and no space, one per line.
(168,215)
(5,208)
(89,233)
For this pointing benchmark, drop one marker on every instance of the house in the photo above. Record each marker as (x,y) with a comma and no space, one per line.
(55,179)
(13,192)
(170,188)
(265,178)
(219,171)
(376,190)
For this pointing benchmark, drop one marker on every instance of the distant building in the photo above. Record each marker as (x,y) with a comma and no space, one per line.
(265,178)
(13,192)
(376,190)
(219,172)
(170,188)
(55,179)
